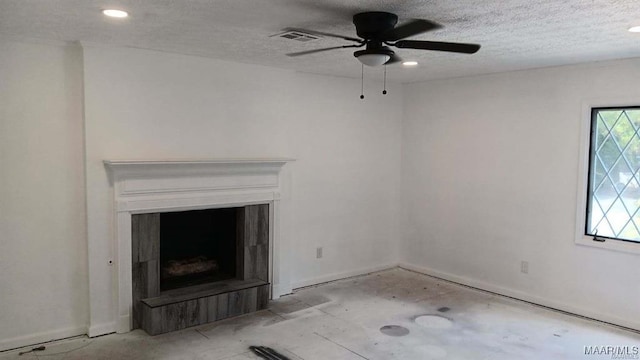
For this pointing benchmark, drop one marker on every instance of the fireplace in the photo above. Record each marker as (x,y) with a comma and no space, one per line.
(197,247)
(144,190)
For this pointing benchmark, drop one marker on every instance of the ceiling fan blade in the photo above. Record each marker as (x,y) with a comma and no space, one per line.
(438,46)
(411,28)
(320,33)
(307,52)
(394,59)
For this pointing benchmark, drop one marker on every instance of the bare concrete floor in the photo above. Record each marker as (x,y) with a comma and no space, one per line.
(395,314)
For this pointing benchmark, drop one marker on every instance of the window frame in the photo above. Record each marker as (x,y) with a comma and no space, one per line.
(583,188)
(590,169)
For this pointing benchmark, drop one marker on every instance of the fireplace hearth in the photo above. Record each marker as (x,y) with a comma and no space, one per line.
(198,266)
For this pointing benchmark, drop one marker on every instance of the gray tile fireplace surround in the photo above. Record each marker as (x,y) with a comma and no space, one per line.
(158,312)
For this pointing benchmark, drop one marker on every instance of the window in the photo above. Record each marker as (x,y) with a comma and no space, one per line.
(613,199)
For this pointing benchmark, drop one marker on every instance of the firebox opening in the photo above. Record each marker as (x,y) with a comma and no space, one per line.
(197,247)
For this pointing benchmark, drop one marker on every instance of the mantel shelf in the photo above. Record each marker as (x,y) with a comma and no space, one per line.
(128,163)
(199,174)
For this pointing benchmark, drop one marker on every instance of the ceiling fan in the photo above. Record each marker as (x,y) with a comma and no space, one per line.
(377,31)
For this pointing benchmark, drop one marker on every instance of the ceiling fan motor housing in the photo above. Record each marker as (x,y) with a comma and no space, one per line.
(370,25)
(376,29)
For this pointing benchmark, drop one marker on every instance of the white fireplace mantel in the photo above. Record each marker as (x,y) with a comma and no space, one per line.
(143,186)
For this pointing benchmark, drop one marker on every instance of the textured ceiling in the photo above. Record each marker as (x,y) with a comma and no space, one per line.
(514,34)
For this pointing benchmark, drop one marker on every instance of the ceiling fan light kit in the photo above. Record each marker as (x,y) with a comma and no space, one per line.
(374,57)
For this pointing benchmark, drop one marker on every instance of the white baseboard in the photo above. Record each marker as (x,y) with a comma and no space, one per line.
(31,339)
(102,329)
(341,275)
(568,308)
(279,290)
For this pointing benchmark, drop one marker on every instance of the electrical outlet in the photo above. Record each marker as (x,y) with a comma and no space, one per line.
(524,267)
(319,253)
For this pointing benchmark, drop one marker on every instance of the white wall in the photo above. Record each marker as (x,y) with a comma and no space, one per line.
(142,104)
(346,193)
(43,252)
(489,173)
(490,177)
(150,105)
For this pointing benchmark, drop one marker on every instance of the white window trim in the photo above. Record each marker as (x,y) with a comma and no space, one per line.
(583,174)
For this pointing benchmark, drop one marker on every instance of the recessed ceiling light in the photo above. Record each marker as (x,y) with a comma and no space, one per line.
(115,13)
(410,63)
(635,29)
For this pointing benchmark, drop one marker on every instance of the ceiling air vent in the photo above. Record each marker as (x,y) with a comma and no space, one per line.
(296,35)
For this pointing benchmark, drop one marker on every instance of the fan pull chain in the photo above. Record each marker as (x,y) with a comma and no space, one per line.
(384,87)
(362,82)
